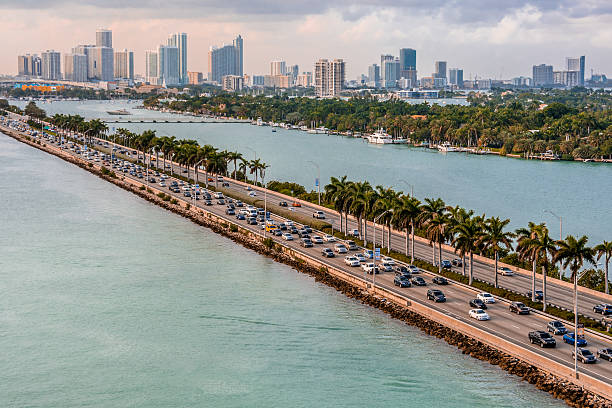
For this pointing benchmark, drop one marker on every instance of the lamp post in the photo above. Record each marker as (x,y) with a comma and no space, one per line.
(263,176)
(196,172)
(318,179)
(374,247)
(255,153)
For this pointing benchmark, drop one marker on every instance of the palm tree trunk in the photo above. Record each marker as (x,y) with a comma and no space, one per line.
(544,273)
(495,272)
(440,256)
(533,282)
(365,232)
(389,238)
(606,277)
(575,322)
(463,264)
(471,268)
(340,220)
(412,249)
(406,243)
(433,252)
(195,168)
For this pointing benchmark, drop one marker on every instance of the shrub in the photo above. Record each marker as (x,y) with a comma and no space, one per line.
(269,243)
(174,201)
(140,188)
(233,228)
(149,191)
(187,206)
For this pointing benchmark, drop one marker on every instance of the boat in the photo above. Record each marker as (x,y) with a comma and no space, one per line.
(273,129)
(118,112)
(380,137)
(446,147)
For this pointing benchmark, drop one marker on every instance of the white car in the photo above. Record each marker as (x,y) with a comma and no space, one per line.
(340,248)
(319,215)
(368,267)
(288,223)
(360,257)
(386,267)
(287,236)
(388,260)
(329,238)
(479,314)
(486,297)
(413,269)
(505,271)
(351,261)
(252,194)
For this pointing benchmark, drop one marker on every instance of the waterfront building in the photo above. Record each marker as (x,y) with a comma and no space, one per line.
(168,65)
(104,38)
(542,75)
(194,78)
(151,71)
(410,75)
(35,66)
(383,58)
(576,64)
(239,46)
(278,68)
(329,77)
(222,61)
(440,67)
(374,76)
(124,64)
(83,49)
(75,67)
(277,81)
(390,72)
(407,59)
(232,82)
(258,80)
(456,77)
(179,40)
(427,82)
(101,63)
(51,65)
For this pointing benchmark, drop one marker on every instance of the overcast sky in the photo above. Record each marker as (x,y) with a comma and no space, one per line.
(488,38)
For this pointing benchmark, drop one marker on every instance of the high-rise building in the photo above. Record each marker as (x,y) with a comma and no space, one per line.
(232,83)
(304,79)
(569,79)
(23,65)
(75,67)
(407,59)
(278,68)
(124,64)
(576,64)
(35,66)
(293,72)
(222,61)
(329,77)
(104,38)
(259,80)
(151,70)
(390,72)
(374,76)
(84,50)
(51,65)
(440,69)
(168,65)
(239,45)
(542,75)
(456,77)
(101,63)
(195,78)
(179,40)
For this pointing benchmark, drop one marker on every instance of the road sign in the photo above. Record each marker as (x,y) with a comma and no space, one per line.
(316,182)
(377,253)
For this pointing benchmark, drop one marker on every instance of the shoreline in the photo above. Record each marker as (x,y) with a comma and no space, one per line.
(573,394)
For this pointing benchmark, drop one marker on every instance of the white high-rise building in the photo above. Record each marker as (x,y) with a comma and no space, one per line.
(151,70)
(51,65)
(329,77)
(179,40)
(278,68)
(104,38)
(124,64)
(168,65)
(75,67)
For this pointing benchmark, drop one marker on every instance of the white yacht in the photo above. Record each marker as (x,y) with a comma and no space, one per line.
(446,147)
(380,137)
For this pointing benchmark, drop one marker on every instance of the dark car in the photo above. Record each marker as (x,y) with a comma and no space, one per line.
(539,295)
(556,327)
(208,202)
(307,229)
(542,339)
(402,270)
(585,356)
(457,262)
(252,221)
(436,295)
(231,205)
(328,253)
(230,211)
(478,304)
(221,202)
(293,229)
(283,204)
(447,264)
(402,281)
(605,354)
(603,308)
(225,184)
(187,194)
(519,308)
(306,242)
(440,280)
(302,232)
(277,232)
(240,217)
(418,281)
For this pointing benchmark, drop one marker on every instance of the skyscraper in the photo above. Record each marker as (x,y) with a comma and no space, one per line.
(329,77)
(542,75)
(124,64)
(391,72)
(179,40)
(440,69)
(151,71)
(51,65)
(456,77)
(576,64)
(84,50)
(168,65)
(75,67)
(101,63)
(374,76)
(23,65)
(35,65)
(222,61)
(104,38)
(238,44)
(278,68)
(407,59)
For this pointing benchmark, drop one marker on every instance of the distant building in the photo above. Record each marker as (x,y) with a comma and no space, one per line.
(168,65)
(374,75)
(84,50)
(75,67)
(385,58)
(521,81)
(293,72)
(222,61)
(151,70)
(124,64)
(195,78)
(456,77)
(232,82)
(258,80)
(101,63)
(51,65)
(427,82)
(239,46)
(440,69)
(390,72)
(277,81)
(410,75)
(104,38)
(407,59)
(278,68)
(576,64)
(29,65)
(542,75)
(329,77)
(179,40)
(35,66)
(304,79)
(569,79)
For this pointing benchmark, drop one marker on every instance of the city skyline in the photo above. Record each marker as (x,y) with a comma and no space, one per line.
(510,39)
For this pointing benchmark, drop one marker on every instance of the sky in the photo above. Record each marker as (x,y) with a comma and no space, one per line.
(487,38)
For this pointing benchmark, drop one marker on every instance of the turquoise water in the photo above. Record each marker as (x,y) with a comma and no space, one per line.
(521,190)
(108,301)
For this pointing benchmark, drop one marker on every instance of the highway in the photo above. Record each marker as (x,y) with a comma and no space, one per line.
(503,324)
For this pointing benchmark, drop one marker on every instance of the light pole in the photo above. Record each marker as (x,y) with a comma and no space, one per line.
(318,183)
(263,176)
(196,172)
(255,153)
(409,185)
(374,247)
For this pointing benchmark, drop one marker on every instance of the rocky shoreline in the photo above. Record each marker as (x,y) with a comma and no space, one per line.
(572,394)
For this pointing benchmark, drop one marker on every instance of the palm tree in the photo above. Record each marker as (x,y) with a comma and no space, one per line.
(407,213)
(359,203)
(216,164)
(234,156)
(387,202)
(168,149)
(205,153)
(540,247)
(466,238)
(337,191)
(458,215)
(605,249)
(573,253)
(436,232)
(494,237)
(430,209)
(525,235)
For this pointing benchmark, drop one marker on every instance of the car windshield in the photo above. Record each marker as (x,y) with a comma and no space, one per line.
(479,311)
(586,353)
(544,335)
(557,324)
(520,305)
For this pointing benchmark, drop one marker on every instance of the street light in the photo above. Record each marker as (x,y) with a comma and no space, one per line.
(318,179)
(409,185)
(374,246)
(263,176)
(255,153)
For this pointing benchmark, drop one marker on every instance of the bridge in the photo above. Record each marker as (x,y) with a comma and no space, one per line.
(150,120)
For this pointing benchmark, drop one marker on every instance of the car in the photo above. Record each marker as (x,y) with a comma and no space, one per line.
(327,252)
(307,229)
(603,308)
(402,281)
(351,260)
(283,204)
(478,304)
(386,267)
(238,203)
(486,297)
(440,280)
(418,281)
(221,202)
(277,232)
(368,253)
(247,188)
(505,271)
(340,248)
(317,239)
(360,257)
(388,260)
(436,295)
(354,233)
(402,270)
(569,339)
(351,245)
(605,354)
(479,314)
(368,267)
(542,338)
(287,236)
(320,215)
(252,194)
(302,233)
(252,221)
(556,327)
(446,264)
(225,184)
(539,295)
(208,202)
(329,238)
(306,242)
(457,262)
(519,308)
(296,204)
(585,356)
(413,269)
(230,211)
(187,194)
